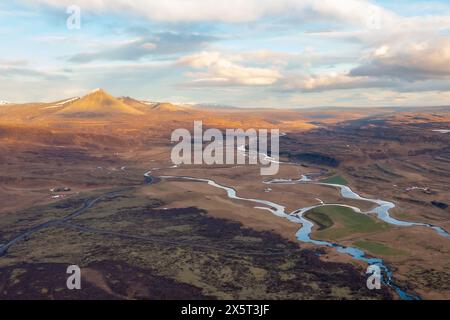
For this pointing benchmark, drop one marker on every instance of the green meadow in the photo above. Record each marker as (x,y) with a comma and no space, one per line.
(335,222)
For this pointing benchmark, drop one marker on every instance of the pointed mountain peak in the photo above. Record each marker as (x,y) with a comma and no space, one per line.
(99,102)
(99,92)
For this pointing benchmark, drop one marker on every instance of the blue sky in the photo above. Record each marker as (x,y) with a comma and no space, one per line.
(250,53)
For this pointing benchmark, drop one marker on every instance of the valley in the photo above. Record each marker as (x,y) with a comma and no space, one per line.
(72,172)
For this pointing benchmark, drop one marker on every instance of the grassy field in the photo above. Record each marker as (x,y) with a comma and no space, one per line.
(378,249)
(335,180)
(339,222)
(321,219)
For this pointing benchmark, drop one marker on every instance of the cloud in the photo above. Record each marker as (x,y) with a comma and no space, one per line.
(282,72)
(221,70)
(13,63)
(266,48)
(329,81)
(370,98)
(359,12)
(157,44)
(20,69)
(137,79)
(303,60)
(408,60)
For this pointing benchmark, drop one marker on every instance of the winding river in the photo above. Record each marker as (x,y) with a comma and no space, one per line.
(381,210)
(304,234)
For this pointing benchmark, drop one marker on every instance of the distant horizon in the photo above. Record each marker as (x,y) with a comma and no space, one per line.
(217,105)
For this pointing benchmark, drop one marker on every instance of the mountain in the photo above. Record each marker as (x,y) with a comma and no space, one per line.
(133,102)
(213,106)
(166,106)
(95,104)
(155,106)
(3,102)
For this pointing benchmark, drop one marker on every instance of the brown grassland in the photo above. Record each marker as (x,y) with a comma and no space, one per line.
(181,240)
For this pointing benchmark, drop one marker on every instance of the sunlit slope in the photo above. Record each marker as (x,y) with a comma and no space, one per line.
(166,106)
(98,103)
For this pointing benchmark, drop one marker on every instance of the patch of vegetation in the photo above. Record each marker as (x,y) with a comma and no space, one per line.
(430,278)
(386,170)
(336,180)
(37,281)
(178,247)
(320,219)
(440,205)
(378,249)
(345,222)
(314,158)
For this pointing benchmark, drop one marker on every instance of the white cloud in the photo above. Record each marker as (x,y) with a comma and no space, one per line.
(359,12)
(409,60)
(163,43)
(381,51)
(331,80)
(327,81)
(221,70)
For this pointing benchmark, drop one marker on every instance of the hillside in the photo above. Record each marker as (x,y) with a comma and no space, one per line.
(97,103)
(166,106)
(139,105)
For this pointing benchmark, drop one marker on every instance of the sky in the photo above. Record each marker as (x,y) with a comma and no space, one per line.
(247,53)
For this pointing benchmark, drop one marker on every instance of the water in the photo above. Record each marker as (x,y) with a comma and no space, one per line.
(442,130)
(381,210)
(304,234)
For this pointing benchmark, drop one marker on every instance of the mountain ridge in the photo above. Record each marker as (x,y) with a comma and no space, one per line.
(97,103)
